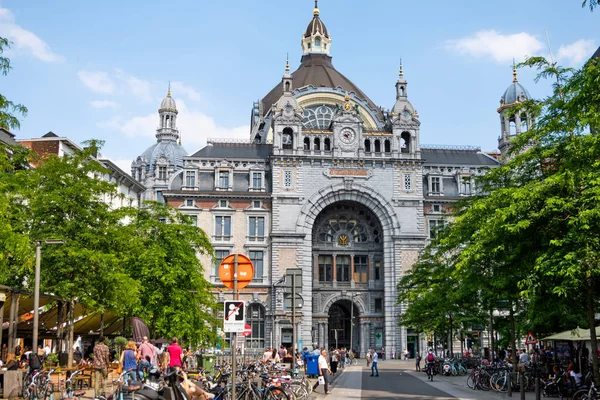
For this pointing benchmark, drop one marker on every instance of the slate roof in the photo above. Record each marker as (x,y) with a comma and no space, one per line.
(597,53)
(168,149)
(318,71)
(454,157)
(235,150)
(7,137)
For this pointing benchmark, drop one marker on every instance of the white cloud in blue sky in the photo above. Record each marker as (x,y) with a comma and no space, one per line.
(576,53)
(23,40)
(500,47)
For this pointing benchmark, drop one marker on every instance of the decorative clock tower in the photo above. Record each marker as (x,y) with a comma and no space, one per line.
(347,130)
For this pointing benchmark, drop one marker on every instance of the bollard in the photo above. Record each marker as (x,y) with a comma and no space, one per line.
(521,386)
(509,383)
(537,386)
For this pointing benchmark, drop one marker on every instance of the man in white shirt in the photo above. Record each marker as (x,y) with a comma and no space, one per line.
(324,371)
(374,369)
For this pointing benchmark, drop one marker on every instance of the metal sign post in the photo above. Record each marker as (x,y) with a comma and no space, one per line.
(236,296)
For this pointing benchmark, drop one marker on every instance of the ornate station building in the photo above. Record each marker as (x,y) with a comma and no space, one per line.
(328,182)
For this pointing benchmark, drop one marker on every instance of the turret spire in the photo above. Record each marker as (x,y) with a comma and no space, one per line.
(287,64)
(401,74)
(316,10)
(515,79)
(169,90)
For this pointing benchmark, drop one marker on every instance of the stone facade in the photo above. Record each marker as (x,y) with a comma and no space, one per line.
(333,185)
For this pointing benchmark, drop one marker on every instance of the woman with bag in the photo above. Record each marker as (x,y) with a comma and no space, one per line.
(128,360)
(324,372)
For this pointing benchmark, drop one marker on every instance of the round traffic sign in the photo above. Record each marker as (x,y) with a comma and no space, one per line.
(247,330)
(245,271)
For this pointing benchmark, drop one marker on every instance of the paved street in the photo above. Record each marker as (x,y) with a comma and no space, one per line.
(399,380)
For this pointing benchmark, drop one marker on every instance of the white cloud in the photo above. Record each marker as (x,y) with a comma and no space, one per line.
(97,81)
(178,88)
(141,126)
(103,104)
(194,125)
(576,53)
(501,48)
(25,41)
(138,87)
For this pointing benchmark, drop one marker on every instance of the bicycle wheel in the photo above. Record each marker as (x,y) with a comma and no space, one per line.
(300,391)
(275,393)
(471,381)
(580,395)
(48,391)
(25,388)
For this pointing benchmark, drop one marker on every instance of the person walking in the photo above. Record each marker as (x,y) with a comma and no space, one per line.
(175,355)
(324,372)
(382,354)
(393,354)
(128,360)
(100,367)
(418,361)
(147,356)
(374,369)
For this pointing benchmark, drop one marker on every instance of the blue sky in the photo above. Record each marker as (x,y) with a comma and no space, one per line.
(99,69)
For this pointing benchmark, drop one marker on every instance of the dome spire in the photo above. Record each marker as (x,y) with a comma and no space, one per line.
(287,64)
(169,90)
(401,73)
(316,38)
(515,79)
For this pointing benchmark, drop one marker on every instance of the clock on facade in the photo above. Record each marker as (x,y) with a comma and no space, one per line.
(347,136)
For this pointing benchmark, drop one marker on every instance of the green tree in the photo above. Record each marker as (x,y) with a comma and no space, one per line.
(174,298)
(8,109)
(16,252)
(532,240)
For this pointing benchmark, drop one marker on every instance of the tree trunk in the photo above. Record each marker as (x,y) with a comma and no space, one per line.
(591,316)
(102,324)
(70,326)
(513,336)
(491,336)
(59,326)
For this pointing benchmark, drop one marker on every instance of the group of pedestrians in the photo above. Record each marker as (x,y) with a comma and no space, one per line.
(134,360)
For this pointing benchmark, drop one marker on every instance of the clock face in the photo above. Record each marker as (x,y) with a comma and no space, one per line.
(406,114)
(287,138)
(347,136)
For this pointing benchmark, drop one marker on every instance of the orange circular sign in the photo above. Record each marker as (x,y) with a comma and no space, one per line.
(245,271)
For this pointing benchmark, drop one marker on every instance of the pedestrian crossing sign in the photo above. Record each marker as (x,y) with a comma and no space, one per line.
(531,339)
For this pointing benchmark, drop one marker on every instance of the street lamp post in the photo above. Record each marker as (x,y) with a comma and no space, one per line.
(352,319)
(36,292)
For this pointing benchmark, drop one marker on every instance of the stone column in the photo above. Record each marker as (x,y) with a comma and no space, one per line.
(518,123)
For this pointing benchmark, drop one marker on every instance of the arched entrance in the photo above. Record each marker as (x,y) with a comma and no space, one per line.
(347,246)
(340,329)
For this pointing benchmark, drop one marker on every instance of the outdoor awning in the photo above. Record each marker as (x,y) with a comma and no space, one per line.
(577,334)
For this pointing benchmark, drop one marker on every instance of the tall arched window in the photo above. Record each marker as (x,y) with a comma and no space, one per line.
(256,319)
(317,43)
(367,146)
(317,144)
(386,146)
(405,142)
(327,144)
(306,143)
(377,146)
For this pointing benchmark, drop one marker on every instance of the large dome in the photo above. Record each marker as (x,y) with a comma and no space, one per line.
(318,71)
(168,149)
